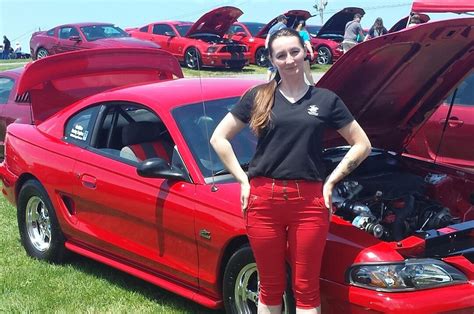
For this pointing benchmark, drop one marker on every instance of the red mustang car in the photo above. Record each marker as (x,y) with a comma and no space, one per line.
(201,43)
(72,37)
(254,34)
(328,40)
(137,158)
(11,110)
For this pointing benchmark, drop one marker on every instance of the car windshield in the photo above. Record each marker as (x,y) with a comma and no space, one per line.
(183,28)
(94,32)
(313,29)
(254,28)
(197,123)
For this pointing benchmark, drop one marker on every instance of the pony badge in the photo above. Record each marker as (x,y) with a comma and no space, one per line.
(313,110)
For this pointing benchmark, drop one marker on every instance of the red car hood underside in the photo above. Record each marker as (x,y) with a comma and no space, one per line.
(393,83)
(455,6)
(60,80)
(337,23)
(217,21)
(293,17)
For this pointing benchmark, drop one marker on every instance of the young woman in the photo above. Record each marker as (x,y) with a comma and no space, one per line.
(288,200)
(377,29)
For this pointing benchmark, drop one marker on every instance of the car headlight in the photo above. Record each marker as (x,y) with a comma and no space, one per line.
(412,274)
(212,49)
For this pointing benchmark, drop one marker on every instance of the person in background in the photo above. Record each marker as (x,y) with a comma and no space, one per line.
(17,50)
(287,204)
(352,31)
(282,20)
(300,28)
(377,29)
(414,20)
(6,48)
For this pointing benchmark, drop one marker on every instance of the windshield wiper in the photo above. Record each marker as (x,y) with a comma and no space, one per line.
(245,167)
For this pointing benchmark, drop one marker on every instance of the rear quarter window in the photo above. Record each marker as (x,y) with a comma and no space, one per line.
(79,127)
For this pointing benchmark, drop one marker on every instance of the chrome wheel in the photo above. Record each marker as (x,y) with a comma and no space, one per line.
(192,59)
(261,57)
(324,55)
(38,224)
(42,53)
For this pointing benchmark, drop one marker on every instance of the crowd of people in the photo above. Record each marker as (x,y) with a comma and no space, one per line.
(8,52)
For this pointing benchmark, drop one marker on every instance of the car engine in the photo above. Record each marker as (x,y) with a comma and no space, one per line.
(391,205)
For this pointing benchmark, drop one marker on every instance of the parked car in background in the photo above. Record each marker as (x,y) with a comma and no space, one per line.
(329,38)
(79,36)
(96,165)
(254,34)
(11,110)
(448,136)
(201,43)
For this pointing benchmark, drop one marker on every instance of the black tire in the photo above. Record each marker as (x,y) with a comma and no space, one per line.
(41,53)
(324,55)
(192,59)
(240,285)
(39,229)
(261,57)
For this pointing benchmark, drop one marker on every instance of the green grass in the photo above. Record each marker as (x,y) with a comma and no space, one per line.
(206,72)
(78,286)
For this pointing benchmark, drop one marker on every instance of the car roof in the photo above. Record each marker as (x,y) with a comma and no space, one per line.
(167,95)
(84,24)
(13,72)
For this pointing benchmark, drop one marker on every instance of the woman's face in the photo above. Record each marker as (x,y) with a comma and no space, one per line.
(288,55)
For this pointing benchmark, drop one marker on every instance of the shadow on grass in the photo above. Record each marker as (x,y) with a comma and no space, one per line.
(128,282)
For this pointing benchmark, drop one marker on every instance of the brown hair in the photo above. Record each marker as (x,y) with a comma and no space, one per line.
(265,93)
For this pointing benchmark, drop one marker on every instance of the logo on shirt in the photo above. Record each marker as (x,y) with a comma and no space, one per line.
(313,110)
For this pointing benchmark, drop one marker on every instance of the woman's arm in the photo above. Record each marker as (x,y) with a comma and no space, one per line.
(360,149)
(220,141)
(310,49)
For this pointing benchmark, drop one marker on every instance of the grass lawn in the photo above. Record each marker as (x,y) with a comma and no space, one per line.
(78,286)
(206,72)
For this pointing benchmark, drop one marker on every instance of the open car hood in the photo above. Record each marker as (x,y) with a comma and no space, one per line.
(391,84)
(454,6)
(57,81)
(402,24)
(336,25)
(217,21)
(293,17)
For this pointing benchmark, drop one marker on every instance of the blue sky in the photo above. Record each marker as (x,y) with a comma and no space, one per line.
(19,18)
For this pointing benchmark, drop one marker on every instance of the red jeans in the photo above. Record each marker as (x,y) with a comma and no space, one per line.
(287,220)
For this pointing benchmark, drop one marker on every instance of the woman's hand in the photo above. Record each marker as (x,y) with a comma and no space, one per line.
(327,194)
(244,196)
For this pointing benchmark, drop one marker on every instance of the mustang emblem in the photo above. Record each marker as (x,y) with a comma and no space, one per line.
(313,110)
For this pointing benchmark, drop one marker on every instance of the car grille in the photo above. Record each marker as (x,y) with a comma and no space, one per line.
(234,48)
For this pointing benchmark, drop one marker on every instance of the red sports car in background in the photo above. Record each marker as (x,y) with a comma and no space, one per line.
(254,34)
(201,43)
(327,42)
(72,37)
(11,109)
(137,158)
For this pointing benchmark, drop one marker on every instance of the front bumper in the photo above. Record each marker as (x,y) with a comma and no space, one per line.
(339,298)
(226,60)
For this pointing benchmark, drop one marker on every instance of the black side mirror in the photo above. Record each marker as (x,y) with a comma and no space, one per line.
(75,38)
(158,168)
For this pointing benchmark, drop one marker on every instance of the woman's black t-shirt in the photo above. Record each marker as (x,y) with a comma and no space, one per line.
(290,146)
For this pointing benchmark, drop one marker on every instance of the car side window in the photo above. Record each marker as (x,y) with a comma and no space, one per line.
(464,93)
(64,32)
(163,29)
(144,29)
(6,86)
(79,127)
(50,32)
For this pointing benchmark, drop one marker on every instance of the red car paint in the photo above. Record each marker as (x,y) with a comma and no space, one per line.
(246,33)
(201,43)
(11,110)
(71,37)
(100,198)
(327,43)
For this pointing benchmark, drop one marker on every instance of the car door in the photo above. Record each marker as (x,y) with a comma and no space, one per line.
(457,140)
(65,43)
(168,39)
(145,221)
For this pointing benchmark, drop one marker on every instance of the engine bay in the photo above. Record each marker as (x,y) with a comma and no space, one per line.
(389,202)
